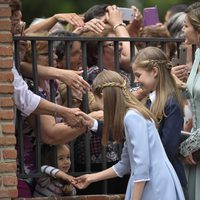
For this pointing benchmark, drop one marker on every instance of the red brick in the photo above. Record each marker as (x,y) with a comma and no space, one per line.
(5,12)
(8,167)
(8,128)
(5,1)
(6,63)
(6,50)
(5,193)
(6,89)
(9,180)
(5,37)
(7,140)
(6,114)
(9,154)
(5,25)
(6,77)
(6,102)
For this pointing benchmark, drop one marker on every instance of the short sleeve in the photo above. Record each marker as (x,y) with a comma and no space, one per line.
(137,135)
(123,166)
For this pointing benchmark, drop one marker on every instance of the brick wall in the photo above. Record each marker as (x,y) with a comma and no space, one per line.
(8,180)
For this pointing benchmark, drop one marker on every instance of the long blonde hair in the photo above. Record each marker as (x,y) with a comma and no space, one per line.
(151,57)
(117,100)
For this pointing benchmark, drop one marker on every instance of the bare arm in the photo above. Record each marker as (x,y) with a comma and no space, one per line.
(47,24)
(68,114)
(70,77)
(138,190)
(56,133)
(114,17)
(85,180)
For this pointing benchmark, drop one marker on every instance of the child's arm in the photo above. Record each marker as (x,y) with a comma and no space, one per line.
(56,173)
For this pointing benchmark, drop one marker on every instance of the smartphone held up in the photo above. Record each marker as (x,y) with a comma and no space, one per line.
(127,13)
(150,16)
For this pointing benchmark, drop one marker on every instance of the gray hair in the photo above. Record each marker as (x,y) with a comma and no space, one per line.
(175,25)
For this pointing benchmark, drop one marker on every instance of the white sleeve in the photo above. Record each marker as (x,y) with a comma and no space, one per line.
(51,171)
(25,100)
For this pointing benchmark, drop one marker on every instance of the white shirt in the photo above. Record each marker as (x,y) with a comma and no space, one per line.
(25,100)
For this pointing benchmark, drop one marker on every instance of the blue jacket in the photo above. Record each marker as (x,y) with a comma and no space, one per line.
(170,132)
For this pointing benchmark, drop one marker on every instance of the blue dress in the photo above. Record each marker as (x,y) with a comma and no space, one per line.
(145,159)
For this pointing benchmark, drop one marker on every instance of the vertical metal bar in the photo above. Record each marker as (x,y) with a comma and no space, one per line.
(51,57)
(100,55)
(37,118)
(67,66)
(20,142)
(85,107)
(132,48)
(17,55)
(116,55)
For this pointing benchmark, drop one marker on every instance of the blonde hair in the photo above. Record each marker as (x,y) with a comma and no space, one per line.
(117,100)
(41,46)
(151,57)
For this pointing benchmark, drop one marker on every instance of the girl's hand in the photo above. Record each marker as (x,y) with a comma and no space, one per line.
(82,182)
(86,119)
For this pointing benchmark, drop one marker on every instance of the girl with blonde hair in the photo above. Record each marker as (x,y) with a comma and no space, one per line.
(152,70)
(151,174)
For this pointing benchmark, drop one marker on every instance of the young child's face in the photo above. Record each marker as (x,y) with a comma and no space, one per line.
(63,158)
(147,79)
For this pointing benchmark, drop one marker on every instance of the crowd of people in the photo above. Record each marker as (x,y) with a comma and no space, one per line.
(147,117)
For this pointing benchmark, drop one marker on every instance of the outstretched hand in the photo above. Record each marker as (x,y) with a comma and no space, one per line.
(71,18)
(86,119)
(82,182)
(74,80)
(70,117)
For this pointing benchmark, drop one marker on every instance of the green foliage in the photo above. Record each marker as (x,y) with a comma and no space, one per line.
(46,8)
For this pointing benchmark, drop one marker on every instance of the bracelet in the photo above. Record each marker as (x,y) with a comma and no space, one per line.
(120,24)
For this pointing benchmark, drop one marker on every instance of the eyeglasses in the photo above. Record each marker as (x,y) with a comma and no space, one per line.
(111,44)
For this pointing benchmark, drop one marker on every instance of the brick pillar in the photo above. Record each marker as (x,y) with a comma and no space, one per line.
(8,179)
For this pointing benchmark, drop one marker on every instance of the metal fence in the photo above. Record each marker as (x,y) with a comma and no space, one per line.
(67,40)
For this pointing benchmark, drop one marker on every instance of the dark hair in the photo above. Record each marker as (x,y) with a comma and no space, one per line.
(95,12)
(177,8)
(49,155)
(60,45)
(175,25)
(15,5)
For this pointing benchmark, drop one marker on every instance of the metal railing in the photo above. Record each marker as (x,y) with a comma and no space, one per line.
(67,40)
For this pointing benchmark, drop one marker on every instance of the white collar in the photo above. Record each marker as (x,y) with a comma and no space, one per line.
(152,96)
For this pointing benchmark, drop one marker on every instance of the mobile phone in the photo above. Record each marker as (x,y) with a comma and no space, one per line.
(182,56)
(127,13)
(182,59)
(150,16)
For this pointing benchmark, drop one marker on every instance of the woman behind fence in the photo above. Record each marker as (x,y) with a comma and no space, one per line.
(152,175)
(192,36)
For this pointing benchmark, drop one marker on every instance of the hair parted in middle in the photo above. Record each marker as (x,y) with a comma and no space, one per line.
(117,99)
